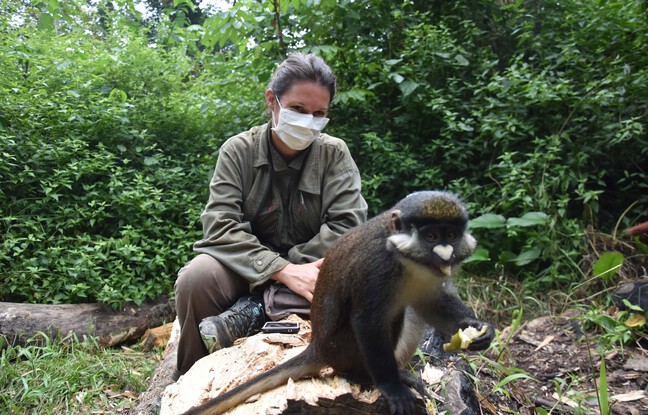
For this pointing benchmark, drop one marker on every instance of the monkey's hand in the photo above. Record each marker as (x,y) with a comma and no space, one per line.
(485,330)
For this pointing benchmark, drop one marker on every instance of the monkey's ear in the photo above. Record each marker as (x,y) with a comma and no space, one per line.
(396,223)
(471,242)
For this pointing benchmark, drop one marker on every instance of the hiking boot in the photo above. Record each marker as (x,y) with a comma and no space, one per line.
(243,319)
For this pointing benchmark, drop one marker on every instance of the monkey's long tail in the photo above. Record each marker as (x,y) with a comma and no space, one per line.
(304,364)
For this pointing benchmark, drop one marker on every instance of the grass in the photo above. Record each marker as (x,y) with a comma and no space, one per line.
(71,376)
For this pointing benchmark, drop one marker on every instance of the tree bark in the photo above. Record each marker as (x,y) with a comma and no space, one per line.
(21,322)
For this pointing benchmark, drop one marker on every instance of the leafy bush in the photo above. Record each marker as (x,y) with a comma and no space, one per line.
(109,145)
(97,206)
(529,107)
(109,129)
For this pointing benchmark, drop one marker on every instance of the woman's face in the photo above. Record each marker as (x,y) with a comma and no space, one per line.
(306,97)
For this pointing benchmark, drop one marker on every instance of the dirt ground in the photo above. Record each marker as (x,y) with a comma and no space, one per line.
(555,353)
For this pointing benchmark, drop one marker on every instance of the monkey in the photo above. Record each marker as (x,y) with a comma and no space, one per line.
(378,287)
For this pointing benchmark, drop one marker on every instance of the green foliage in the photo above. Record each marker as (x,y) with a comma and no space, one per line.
(109,128)
(511,107)
(104,179)
(386,162)
(617,328)
(602,391)
(55,376)
(608,265)
(529,245)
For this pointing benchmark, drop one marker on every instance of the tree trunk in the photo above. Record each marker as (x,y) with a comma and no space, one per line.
(20,322)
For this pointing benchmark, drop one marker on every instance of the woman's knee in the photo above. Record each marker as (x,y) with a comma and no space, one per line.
(205,280)
(194,271)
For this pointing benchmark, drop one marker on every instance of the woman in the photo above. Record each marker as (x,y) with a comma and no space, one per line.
(281,194)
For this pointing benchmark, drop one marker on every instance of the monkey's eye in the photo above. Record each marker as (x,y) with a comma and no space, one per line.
(431,236)
(452,236)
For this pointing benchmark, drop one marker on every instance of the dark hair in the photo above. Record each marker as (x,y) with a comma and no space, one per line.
(300,67)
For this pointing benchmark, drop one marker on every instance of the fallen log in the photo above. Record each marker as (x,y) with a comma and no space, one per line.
(21,322)
(250,356)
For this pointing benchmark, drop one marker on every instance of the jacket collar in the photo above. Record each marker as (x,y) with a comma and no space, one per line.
(310,179)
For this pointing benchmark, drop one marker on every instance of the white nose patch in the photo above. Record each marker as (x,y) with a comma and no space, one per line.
(443,251)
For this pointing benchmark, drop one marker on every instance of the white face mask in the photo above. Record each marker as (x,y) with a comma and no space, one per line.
(296,130)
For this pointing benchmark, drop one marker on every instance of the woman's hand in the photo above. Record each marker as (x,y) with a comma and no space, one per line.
(300,278)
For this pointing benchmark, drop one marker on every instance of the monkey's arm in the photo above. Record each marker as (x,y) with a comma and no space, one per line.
(450,314)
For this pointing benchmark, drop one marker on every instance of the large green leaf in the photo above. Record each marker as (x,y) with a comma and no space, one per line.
(480,255)
(608,265)
(488,221)
(528,219)
(527,257)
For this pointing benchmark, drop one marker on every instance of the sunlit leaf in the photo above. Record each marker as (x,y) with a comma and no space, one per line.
(529,219)
(636,320)
(480,255)
(608,265)
(488,220)
(150,161)
(527,257)
(461,60)
(398,78)
(407,87)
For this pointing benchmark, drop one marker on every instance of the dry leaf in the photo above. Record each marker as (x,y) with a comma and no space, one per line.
(565,400)
(431,375)
(629,397)
(545,342)
(636,320)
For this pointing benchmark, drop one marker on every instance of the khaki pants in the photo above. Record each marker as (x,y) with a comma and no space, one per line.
(204,288)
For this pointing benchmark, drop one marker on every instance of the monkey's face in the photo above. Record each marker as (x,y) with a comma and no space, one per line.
(436,244)
(429,228)
(443,242)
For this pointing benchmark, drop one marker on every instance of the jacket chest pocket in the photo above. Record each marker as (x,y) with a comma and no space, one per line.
(305,216)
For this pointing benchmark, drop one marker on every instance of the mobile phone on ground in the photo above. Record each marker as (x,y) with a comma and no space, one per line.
(280,327)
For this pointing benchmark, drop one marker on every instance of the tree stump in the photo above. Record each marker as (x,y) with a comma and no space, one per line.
(328,394)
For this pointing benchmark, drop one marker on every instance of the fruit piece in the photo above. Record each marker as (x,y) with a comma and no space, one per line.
(462,338)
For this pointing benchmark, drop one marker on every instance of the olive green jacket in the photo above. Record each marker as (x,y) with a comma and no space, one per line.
(327,203)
